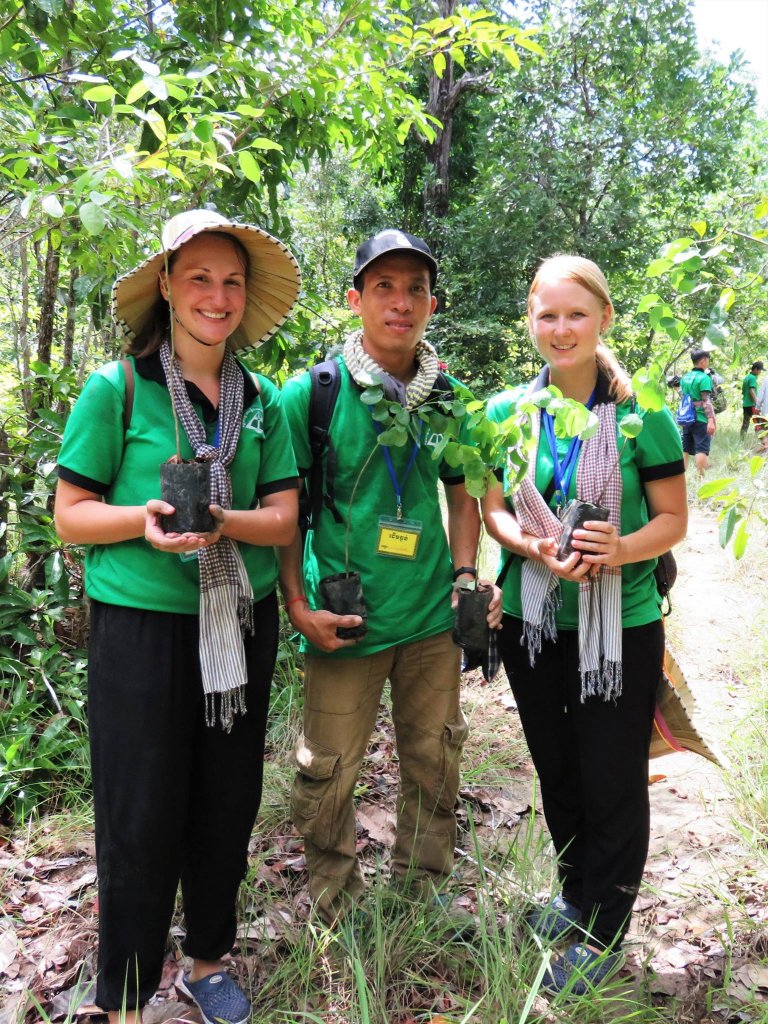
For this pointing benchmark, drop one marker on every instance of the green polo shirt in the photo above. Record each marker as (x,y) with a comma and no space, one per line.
(654,454)
(697,383)
(124,467)
(407,600)
(749,382)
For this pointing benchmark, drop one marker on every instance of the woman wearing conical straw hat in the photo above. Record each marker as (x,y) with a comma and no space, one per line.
(183,624)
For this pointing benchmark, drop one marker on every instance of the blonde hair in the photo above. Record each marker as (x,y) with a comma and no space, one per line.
(587,274)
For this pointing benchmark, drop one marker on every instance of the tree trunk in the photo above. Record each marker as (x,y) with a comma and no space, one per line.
(48,303)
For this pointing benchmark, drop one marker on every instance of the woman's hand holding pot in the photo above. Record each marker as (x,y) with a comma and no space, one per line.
(598,543)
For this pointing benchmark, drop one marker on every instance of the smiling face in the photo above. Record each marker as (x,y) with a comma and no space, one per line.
(565,320)
(208,285)
(395,306)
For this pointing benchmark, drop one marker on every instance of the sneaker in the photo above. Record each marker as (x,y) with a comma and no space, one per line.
(554,921)
(579,969)
(219,998)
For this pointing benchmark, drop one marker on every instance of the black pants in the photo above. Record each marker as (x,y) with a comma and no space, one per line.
(592,763)
(175,800)
(747,414)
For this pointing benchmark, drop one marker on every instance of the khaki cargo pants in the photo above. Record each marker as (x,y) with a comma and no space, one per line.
(341,701)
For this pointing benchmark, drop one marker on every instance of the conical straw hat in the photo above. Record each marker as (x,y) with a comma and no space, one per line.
(673,724)
(272,289)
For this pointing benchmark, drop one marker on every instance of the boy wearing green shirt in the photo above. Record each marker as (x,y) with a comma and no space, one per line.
(697,436)
(407,589)
(749,395)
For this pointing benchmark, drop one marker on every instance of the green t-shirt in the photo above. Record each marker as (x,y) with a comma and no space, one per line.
(696,383)
(654,454)
(98,455)
(407,600)
(749,382)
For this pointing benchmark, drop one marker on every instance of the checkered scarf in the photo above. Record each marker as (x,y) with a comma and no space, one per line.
(598,480)
(411,395)
(226,596)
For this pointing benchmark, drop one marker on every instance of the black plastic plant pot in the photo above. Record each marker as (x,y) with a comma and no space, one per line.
(342,594)
(187,486)
(470,628)
(577,513)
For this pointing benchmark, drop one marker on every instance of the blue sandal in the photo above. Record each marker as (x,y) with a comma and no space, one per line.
(554,921)
(219,998)
(579,970)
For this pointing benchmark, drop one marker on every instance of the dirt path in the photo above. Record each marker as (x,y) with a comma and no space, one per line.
(699,875)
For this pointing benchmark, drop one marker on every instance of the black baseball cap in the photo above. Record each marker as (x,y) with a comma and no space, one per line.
(758,366)
(699,353)
(389,241)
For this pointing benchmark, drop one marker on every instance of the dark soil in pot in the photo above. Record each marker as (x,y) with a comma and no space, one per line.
(343,595)
(187,486)
(577,513)
(470,628)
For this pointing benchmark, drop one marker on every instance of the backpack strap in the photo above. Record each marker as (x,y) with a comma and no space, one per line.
(130,386)
(325,382)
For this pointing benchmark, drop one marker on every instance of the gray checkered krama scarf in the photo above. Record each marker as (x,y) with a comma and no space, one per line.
(598,480)
(410,395)
(226,596)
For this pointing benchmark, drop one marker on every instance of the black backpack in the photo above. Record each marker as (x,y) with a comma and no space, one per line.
(325,381)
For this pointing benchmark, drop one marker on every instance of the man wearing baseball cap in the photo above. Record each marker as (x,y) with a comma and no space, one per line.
(749,395)
(385,525)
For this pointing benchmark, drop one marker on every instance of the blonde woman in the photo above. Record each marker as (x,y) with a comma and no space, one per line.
(582,641)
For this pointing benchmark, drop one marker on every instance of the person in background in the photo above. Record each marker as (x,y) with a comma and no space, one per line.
(749,400)
(697,436)
(582,639)
(183,635)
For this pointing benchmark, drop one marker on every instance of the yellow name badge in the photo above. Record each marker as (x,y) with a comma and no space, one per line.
(398,538)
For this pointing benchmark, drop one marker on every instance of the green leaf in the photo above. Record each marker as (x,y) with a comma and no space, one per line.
(204,131)
(650,395)
(727,526)
(372,396)
(395,437)
(100,93)
(756,463)
(250,168)
(266,144)
(647,302)
(699,226)
(137,90)
(740,538)
(658,267)
(631,425)
(717,333)
(439,63)
(5,565)
(93,218)
(761,210)
(52,206)
(713,487)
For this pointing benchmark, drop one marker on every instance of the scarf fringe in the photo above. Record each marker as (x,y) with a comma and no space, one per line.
(605,682)
(245,614)
(231,703)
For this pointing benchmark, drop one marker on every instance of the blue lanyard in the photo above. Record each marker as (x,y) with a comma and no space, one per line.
(399,485)
(563,471)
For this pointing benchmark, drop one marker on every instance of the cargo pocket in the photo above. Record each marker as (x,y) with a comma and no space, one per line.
(313,796)
(454,738)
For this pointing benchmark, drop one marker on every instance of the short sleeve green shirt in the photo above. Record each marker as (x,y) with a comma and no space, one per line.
(749,383)
(407,600)
(697,383)
(654,454)
(99,455)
